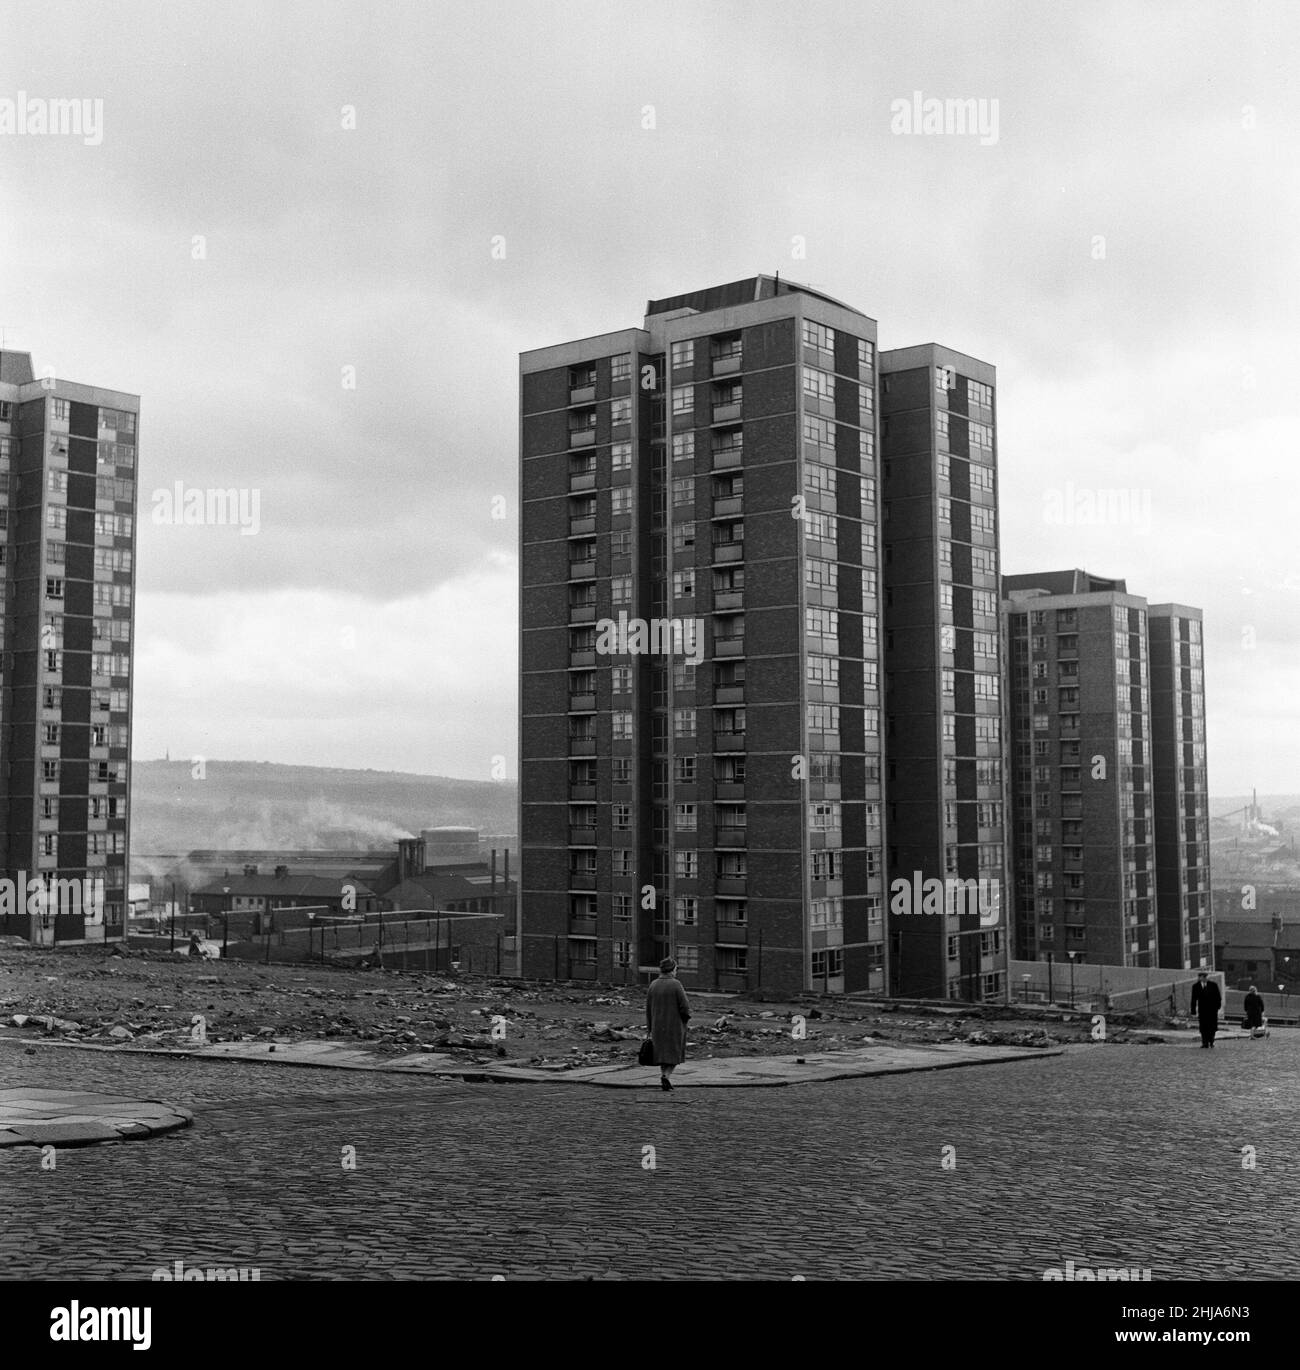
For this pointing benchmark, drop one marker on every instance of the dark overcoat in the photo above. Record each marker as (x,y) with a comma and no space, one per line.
(1253,1005)
(1206,1002)
(666,1014)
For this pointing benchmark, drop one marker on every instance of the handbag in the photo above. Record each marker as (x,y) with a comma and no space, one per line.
(646,1056)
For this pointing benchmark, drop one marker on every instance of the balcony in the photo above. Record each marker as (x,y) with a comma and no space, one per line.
(728,551)
(728,742)
(580,793)
(729,837)
(583,525)
(582,704)
(724,458)
(728,694)
(582,656)
(728,506)
(581,480)
(727,413)
(582,394)
(582,437)
(727,365)
(733,932)
(582,927)
(582,837)
(733,980)
(729,884)
(729,789)
(582,613)
(582,746)
(582,570)
(582,880)
(729,646)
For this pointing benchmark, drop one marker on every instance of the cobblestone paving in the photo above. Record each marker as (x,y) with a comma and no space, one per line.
(1107,1156)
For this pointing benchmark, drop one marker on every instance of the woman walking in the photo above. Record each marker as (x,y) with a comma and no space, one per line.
(666,1014)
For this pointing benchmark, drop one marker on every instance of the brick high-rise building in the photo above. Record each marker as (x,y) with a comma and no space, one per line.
(67,538)
(1182,802)
(945,777)
(1111,852)
(719,796)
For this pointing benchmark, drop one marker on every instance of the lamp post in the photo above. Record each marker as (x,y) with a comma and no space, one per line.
(1026,978)
(311,922)
(225,915)
(1072,955)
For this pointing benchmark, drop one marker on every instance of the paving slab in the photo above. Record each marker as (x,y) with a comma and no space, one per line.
(705,1073)
(66,1117)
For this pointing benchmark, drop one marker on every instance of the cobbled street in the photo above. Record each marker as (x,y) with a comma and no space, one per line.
(1107,1156)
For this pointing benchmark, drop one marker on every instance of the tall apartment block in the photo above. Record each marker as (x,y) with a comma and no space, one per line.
(943,671)
(712,790)
(1184,914)
(67,538)
(1108,781)
(721,796)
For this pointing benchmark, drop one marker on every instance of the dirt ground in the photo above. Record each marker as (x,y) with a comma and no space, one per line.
(107,995)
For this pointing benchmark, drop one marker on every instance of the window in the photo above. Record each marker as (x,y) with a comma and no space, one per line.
(684,490)
(622,721)
(621,501)
(818,386)
(620,590)
(686,818)
(824,815)
(822,623)
(686,909)
(819,438)
(866,355)
(620,456)
(818,336)
(686,864)
(823,670)
(620,367)
(620,413)
(684,770)
(683,446)
(684,399)
(620,680)
(53,587)
(683,353)
(823,527)
(821,575)
(683,536)
(823,718)
(684,722)
(622,861)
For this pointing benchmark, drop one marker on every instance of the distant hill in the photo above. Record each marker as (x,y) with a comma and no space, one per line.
(252,804)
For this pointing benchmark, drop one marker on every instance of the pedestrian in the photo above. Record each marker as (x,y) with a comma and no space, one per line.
(1206,1001)
(666,1014)
(196,945)
(1254,1009)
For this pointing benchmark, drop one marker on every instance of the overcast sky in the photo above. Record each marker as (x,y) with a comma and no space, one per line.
(371,620)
